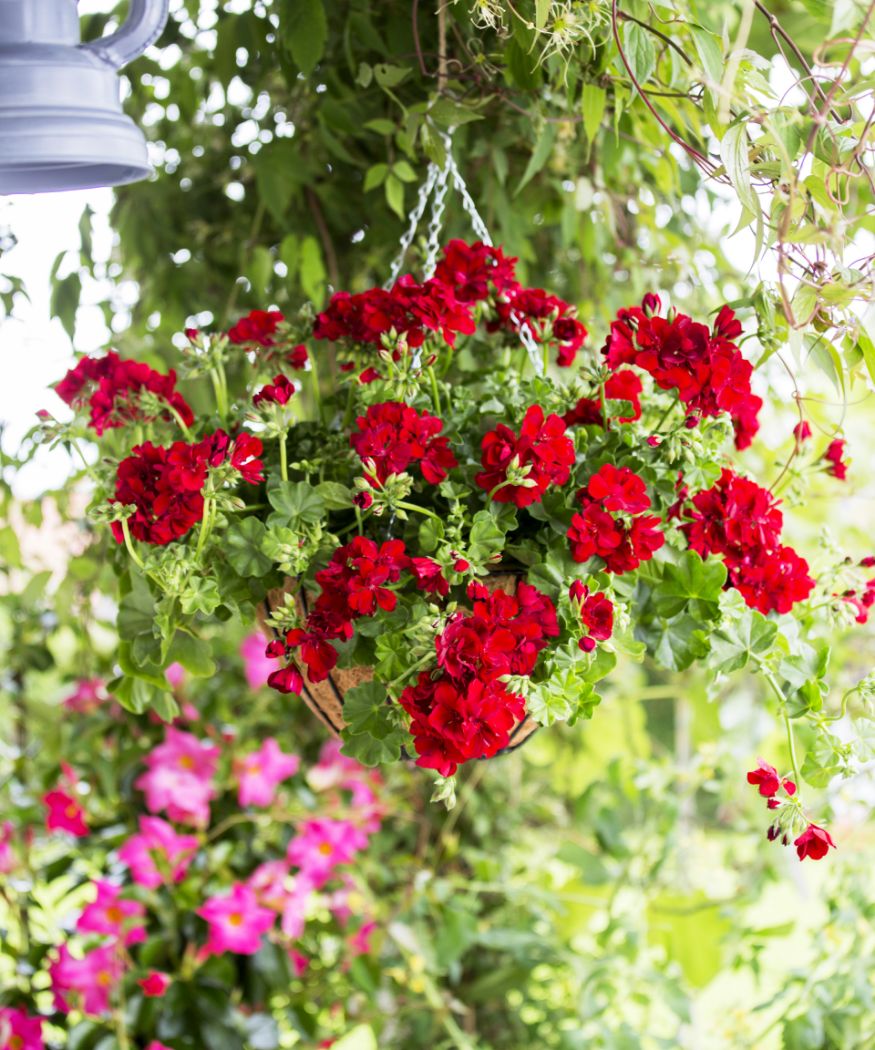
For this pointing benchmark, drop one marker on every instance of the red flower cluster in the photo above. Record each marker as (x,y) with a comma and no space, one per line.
(596,614)
(109,386)
(394,436)
(257,328)
(476,271)
(356,582)
(814,842)
(166,484)
(834,456)
(278,392)
(465,712)
(742,522)
(409,308)
(547,317)
(542,446)
(621,386)
(704,365)
(612,522)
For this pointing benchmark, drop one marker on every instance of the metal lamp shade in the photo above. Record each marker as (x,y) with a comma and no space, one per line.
(61,121)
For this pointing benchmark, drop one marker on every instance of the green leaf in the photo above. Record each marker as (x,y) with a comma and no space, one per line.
(593,105)
(242,546)
(542,9)
(450,114)
(313,272)
(372,735)
(542,151)
(734,643)
(690,585)
(359,1038)
(66,293)
(304,31)
(276,175)
(200,596)
(639,50)
(736,160)
(294,503)
(711,56)
(260,270)
(334,496)
(394,189)
(431,532)
(388,76)
(195,654)
(375,176)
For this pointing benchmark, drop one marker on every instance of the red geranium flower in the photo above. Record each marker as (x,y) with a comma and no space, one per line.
(109,387)
(705,366)
(278,392)
(834,456)
(766,778)
(621,542)
(542,445)
(476,271)
(394,436)
(164,484)
(258,327)
(814,842)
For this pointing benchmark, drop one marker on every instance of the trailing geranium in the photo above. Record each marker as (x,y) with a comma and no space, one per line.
(476,540)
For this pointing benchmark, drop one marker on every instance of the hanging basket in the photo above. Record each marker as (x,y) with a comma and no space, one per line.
(325,698)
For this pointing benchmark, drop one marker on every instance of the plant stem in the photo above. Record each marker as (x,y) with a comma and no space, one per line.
(220,389)
(129,544)
(284,463)
(419,510)
(791,745)
(179,420)
(435,393)
(315,390)
(206,527)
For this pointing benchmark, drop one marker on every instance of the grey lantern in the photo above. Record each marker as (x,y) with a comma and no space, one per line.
(61,121)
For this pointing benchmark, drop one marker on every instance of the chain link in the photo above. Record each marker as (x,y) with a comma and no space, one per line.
(437,182)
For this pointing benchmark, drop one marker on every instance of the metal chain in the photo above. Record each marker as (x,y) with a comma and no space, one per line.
(433,243)
(415,219)
(437,181)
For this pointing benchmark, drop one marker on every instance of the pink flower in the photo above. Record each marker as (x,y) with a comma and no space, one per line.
(8,860)
(236,921)
(257,666)
(158,854)
(64,813)
(154,984)
(322,844)
(19,1031)
(360,942)
(259,773)
(175,675)
(112,915)
(296,906)
(179,778)
(89,694)
(87,983)
(299,962)
(155,1045)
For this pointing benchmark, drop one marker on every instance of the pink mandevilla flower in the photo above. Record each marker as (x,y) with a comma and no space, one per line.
(110,914)
(87,983)
(322,844)
(179,778)
(158,854)
(259,773)
(236,921)
(257,666)
(20,1031)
